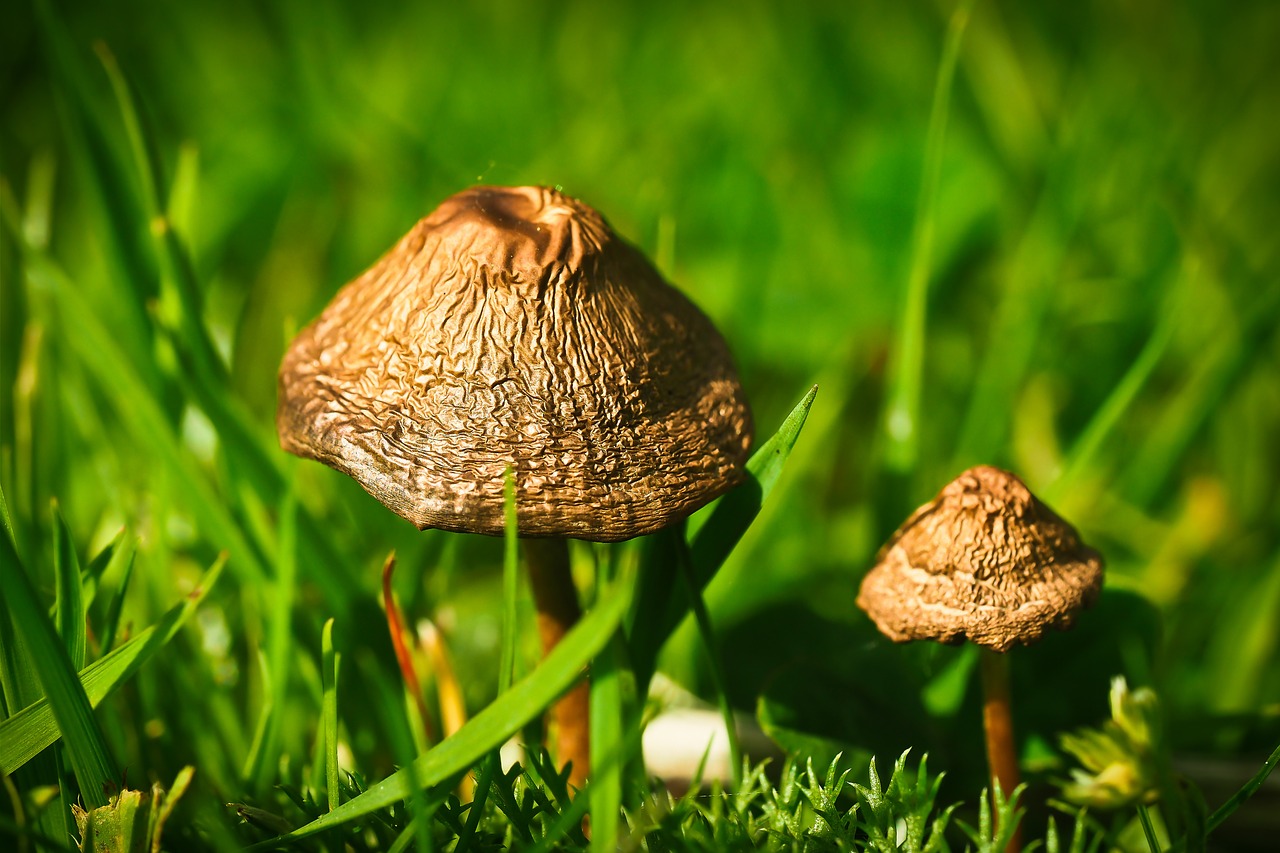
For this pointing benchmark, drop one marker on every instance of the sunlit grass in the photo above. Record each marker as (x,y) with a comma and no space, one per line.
(1079,280)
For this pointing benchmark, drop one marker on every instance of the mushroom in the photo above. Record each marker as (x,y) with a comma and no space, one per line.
(513,327)
(988,562)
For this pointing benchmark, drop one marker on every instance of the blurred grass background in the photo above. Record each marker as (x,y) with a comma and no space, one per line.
(1103,298)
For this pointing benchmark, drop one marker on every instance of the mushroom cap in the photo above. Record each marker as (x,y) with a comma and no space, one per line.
(513,327)
(985,561)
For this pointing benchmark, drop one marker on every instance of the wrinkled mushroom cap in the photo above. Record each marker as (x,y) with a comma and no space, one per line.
(511,326)
(985,561)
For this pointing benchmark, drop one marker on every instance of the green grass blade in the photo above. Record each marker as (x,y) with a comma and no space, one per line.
(6,521)
(67,794)
(510,584)
(92,575)
(18,683)
(1029,285)
(180,290)
(86,746)
(1104,421)
(402,739)
(260,462)
(69,597)
(607,744)
(35,727)
(98,164)
(182,308)
(1250,788)
(98,351)
(330,660)
(703,620)
(712,539)
(1226,358)
(256,457)
(492,726)
(264,759)
(111,621)
(489,766)
(902,412)
(661,601)
(1148,828)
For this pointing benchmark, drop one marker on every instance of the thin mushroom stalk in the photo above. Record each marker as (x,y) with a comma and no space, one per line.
(555,598)
(997,723)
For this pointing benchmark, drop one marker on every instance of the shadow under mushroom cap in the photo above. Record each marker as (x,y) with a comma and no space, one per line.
(513,327)
(985,561)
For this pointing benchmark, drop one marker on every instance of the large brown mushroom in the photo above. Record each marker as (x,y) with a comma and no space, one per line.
(988,562)
(513,327)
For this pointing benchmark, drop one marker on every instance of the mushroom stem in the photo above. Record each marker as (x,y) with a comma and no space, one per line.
(997,719)
(556,599)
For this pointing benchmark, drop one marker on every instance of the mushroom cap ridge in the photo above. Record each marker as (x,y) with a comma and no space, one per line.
(985,561)
(511,326)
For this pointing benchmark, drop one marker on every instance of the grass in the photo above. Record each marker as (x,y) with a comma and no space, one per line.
(1041,237)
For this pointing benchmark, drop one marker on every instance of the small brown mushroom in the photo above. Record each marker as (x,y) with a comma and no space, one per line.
(512,326)
(988,562)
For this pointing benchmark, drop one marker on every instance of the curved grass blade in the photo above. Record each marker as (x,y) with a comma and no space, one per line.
(712,538)
(607,743)
(98,350)
(492,726)
(1251,787)
(258,462)
(181,302)
(18,683)
(264,755)
(1220,367)
(1105,419)
(902,412)
(491,764)
(92,575)
(6,521)
(329,672)
(1024,305)
(115,213)
(69,596)
(35,727)
(707,633)
(662,601)
(111,621)
(179,287)
(86,745)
